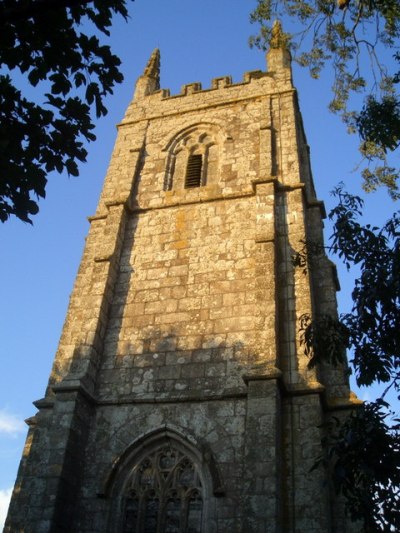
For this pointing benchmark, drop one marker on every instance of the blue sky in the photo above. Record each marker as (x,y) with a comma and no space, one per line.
(198,41)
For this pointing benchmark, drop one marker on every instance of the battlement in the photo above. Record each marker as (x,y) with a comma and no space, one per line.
(278,74)
(150,100)
(221,82)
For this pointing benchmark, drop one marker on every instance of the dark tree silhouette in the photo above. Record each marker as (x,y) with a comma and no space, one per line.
(54,45)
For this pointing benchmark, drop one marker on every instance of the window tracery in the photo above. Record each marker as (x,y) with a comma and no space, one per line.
(164,494)
(193,158)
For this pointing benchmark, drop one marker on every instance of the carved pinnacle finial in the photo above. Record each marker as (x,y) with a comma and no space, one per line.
(149,81)
(278,56)
(152,69)
(278,38)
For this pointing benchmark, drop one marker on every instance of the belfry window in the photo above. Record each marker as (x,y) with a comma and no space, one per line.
(164,494)
(193,158)
(193,171)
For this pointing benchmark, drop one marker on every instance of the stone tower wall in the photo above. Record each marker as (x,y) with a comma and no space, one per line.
(183,325)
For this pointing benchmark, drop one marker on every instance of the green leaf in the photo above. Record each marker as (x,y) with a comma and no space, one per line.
(53,136)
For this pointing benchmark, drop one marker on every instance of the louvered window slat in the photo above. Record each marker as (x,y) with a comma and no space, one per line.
(193,171)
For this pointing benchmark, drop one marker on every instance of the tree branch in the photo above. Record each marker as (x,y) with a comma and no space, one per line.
(27,10)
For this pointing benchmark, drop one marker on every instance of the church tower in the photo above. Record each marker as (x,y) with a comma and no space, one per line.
(180,399)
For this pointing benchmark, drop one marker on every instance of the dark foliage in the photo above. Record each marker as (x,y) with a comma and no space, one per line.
(44,41)
(325,338)
(340,33)
(363,454)
(374,323)
(379,122)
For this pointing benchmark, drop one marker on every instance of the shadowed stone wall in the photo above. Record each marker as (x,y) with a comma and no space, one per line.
(180,396)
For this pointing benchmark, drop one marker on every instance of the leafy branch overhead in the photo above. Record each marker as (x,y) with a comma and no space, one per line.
(349,36)
(325,339)
(363,453)
(364,456)
(372,329)
(55,47)
(375,318)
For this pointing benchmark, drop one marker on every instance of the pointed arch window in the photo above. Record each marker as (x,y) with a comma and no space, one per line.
(164,494)
(193,158)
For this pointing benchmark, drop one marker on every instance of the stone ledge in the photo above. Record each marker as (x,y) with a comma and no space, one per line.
(196,396)
(263,374)
(44,403)
(129,119)
(302,389)
(73,385)
(342,403)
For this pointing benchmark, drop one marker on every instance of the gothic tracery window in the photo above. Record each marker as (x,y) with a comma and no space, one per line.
(193,159)
(164,494)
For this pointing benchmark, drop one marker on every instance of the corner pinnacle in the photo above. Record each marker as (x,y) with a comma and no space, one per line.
(149,81)
(278,38)
(152,69)
(278,57)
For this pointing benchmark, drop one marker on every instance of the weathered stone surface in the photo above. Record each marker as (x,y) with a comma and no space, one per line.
(182,336)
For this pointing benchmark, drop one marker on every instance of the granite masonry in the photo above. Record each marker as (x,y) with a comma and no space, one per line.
(180,398)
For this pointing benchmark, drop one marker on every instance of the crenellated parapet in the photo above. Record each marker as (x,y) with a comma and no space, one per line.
(277,77)
(221,88)
(150,98)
